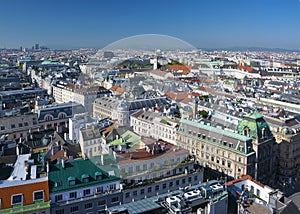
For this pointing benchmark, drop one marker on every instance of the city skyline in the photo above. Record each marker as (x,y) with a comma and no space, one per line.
(214,24)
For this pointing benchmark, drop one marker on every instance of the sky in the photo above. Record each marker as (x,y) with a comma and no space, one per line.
(202,23)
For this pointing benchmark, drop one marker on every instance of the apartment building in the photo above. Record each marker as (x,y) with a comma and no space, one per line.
(66,92)
(218,149)
(26,190)
(91,138)
(79,186)
(16,125)
(248,150)
(155,125)
(121,110)
(286,131)
(251,196)
(54,115)
(9,99)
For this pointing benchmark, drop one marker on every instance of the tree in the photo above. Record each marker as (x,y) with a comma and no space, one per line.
(177,113)
(203,113)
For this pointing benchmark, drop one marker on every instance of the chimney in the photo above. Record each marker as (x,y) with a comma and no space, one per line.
(102,161)
(63,163)
(47,167)
(17,150)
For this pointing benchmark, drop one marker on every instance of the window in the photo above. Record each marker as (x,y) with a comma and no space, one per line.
(229,155)
(149,189)
(2,127)
(112,186)
(17,199)
(164,186)
(26,124)
(74,209)
(223,162)
(190,179)
(114,199)
(127,194)
(13,126)
(177,182)
(20,125)
(157,187)
(58,198)
(72,183)
(102,202)
(171,184)
(183,181)
(86,192)
(88,206)
(58,184)
(257,192)
(145,167)
(142,191)
(134,193)
(61,211)
(229,164)
(195,178)
(73,195)
(99,189)
(39,195)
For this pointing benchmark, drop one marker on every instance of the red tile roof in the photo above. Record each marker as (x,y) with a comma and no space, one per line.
(185,69)
(246,68)
(243,178)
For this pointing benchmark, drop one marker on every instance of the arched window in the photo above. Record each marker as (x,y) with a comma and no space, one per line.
(246,131)
(263,132)
(62,115)
(48,117)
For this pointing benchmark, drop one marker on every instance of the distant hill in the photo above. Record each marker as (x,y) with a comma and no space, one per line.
(251,49)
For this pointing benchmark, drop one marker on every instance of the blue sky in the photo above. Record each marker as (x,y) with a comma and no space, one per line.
(202,23)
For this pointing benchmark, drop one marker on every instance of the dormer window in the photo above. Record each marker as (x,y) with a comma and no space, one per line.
(85,178)
(71,181)
(98,176)
(57,184)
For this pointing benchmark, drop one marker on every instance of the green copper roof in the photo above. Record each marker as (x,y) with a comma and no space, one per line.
(127,138)
(75,170)
(49,62)
(254,115)
(254,125)
(216,130)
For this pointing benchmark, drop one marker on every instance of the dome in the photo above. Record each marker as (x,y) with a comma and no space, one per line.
(123,106)
(254,125)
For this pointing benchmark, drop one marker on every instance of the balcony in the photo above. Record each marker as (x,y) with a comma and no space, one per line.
(26,208)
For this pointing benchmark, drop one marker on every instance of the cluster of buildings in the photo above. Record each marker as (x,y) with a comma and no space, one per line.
(125,134)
